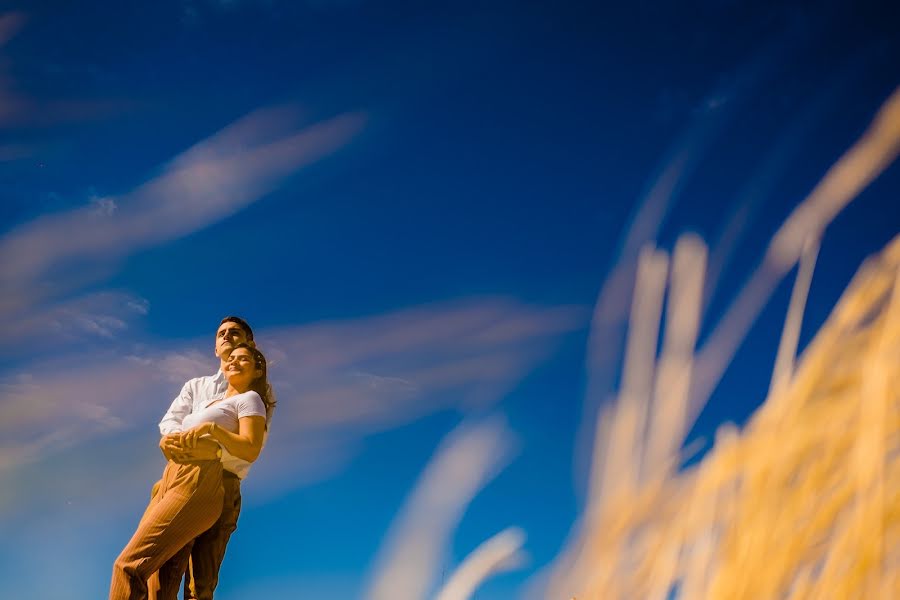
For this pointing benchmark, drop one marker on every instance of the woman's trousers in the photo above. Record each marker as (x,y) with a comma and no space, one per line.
(189,502)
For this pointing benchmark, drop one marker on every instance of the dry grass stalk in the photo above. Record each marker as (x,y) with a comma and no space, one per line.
(803,504)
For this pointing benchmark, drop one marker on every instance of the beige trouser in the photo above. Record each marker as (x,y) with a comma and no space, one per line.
(200,560)
(189,502)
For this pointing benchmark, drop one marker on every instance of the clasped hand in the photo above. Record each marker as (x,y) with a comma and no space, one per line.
(189,445)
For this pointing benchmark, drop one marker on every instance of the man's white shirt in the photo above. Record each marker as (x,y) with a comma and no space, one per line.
(197,394)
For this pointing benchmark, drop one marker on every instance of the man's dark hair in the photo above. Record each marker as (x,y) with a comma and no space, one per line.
(242,323)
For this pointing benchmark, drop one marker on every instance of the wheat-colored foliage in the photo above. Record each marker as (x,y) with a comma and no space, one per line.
(801,503)
(804,503)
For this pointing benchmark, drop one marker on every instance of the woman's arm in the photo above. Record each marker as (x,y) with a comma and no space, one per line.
(245,444)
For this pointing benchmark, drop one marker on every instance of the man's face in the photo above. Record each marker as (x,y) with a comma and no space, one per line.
(227,337)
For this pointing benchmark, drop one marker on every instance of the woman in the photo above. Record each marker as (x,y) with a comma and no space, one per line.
(189,500)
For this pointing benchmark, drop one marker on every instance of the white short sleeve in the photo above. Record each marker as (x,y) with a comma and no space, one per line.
(250,405)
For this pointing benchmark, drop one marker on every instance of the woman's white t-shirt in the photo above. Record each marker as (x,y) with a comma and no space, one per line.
(226,412)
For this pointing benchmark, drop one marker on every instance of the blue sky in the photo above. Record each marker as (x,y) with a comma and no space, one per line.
(415,205)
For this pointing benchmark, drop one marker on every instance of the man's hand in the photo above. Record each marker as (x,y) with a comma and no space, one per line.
(173,448)
(170,445)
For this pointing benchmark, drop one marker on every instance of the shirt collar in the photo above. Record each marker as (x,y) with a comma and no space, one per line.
(218,379)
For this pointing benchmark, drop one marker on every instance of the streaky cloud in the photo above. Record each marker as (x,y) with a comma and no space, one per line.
(209,182)
(336,383)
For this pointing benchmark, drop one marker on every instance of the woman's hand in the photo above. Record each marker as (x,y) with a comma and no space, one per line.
(189,438)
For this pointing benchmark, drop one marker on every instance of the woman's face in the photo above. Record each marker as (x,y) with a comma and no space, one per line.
(240,368)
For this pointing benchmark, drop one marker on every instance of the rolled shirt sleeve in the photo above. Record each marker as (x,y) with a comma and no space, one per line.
(181,407)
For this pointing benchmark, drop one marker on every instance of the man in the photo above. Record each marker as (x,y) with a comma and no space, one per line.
(207,551)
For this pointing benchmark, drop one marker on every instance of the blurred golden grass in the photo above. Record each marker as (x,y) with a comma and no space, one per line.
(804,501)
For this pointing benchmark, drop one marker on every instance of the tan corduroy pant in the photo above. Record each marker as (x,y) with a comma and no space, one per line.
(199,561)
(189,502)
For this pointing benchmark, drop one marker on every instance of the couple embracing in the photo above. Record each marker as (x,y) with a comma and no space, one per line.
(211,434)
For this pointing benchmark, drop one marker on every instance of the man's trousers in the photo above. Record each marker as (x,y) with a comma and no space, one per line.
(189,502)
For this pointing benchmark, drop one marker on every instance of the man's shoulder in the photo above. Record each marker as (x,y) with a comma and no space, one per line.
(203,380)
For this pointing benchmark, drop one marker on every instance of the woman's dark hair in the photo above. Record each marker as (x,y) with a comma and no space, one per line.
(242,323)
(260,385)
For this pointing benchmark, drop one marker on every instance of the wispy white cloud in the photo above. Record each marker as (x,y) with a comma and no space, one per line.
(205,184)
(84,319)
(103,207)
(336,383)
(178,367)
(84,391)
(49,262)
(446,353)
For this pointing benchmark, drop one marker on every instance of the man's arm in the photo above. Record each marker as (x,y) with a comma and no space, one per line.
(171,425)
(181,407)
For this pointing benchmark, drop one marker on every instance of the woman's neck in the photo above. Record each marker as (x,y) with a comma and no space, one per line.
(233,391)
